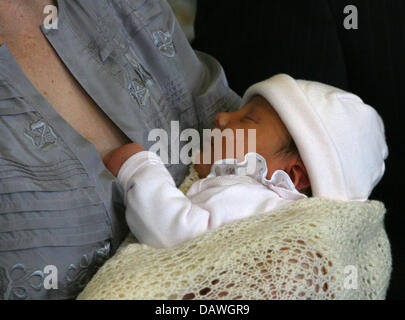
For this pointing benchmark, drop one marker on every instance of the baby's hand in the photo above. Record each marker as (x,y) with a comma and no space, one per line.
(116,158)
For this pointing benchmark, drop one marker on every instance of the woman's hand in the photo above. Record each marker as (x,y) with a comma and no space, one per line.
(116,158)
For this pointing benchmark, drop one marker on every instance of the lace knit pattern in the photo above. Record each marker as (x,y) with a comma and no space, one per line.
(310,249)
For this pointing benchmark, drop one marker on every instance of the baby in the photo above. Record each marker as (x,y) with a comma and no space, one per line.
(311,140)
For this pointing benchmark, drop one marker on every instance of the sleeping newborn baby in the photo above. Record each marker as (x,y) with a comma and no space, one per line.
(311,140)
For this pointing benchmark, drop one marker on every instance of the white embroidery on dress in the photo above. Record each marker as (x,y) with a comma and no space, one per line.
(14,283)
(41,135)
(164,42)
(80,275)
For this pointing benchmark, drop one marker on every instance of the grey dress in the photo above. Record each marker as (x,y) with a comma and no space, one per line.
(59,205)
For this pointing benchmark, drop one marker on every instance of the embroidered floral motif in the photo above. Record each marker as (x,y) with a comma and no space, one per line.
(164,42)
(138,85)
(14,283)
(138,92)
(117,48)
(144,76)
(114,45)
(41,135)
(80,275)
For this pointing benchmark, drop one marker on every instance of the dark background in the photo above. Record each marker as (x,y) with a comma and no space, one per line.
(255,39)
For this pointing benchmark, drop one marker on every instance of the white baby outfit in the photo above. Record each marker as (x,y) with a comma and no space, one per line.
(341,142)
(160,215)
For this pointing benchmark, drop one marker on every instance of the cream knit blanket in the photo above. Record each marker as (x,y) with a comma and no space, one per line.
(311,249)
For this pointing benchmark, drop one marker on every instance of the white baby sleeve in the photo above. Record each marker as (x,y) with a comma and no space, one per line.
(157,213)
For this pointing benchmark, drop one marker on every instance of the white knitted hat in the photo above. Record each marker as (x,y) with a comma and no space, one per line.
(341,140)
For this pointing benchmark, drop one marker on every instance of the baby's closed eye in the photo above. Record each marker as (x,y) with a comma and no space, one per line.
(251,116)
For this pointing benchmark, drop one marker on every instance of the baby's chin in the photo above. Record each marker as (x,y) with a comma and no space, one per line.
(203,170)
(202,167)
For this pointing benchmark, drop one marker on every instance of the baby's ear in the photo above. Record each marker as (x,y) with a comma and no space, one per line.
(299,176)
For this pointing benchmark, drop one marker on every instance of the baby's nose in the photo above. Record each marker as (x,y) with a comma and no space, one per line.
(221,120)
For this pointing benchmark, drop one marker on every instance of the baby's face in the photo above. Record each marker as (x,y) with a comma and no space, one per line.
(271,133)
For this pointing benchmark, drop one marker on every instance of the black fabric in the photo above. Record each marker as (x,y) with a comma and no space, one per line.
(254,40)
